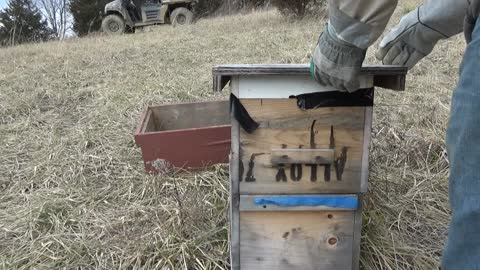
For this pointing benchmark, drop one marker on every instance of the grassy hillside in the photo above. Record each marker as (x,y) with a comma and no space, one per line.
(73,192)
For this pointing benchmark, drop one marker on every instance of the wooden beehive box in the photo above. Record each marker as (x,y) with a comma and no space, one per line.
(184,135)
(298,165)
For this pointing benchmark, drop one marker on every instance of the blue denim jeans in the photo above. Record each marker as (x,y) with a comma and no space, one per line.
(462,251)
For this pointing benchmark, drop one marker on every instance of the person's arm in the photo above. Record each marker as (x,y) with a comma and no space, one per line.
(360,22)
(419,31)
(352,27)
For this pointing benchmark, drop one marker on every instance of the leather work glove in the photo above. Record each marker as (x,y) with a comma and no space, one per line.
(419,31)
(470,19)
(336,62)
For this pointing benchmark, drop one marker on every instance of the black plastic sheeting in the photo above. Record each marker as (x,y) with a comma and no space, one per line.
(360,98)
(241,115)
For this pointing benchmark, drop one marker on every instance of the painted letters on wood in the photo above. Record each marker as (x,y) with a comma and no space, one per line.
(277,160)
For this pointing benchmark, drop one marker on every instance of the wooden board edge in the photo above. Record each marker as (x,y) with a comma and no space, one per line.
(357,234)
(367,136)
(245,69)
(146,120)
(235,196)
(141,125)
(385,76)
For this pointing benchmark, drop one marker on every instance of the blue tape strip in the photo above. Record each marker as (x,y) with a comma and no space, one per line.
(348,202)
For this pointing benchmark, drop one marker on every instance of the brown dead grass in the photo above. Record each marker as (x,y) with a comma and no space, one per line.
(73,193)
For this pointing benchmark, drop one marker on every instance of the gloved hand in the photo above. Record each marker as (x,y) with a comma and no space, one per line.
(408,42)
(473,12)
(419,31)
(336,63)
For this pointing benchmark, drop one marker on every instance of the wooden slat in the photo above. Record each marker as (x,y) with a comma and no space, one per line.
(302,156)
(357,234)
(235,176)
(296,240)
(300,69)
(284,125)
(367,135)
(286,114)
(389,77)
(247,204)
(149,123)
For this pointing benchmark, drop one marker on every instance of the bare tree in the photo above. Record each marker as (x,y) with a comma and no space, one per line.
(57,14)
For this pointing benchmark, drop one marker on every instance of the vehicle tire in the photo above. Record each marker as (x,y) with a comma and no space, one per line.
(113,24)
(181,16)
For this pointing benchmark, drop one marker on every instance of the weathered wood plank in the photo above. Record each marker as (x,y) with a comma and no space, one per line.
(357,234)
(235,176)
(150,125)
(298,69)
(284,125)
(179,116)
(247,203)
(296,240)
(390,77)
(302,156)
(367,135)
(287,110)
(297,152)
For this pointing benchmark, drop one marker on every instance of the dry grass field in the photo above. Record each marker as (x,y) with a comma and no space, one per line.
(73,192)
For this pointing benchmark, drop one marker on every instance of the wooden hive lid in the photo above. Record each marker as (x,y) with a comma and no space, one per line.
(389,77)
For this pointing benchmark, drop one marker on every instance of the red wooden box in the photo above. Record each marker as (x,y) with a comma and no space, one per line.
(186,135)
